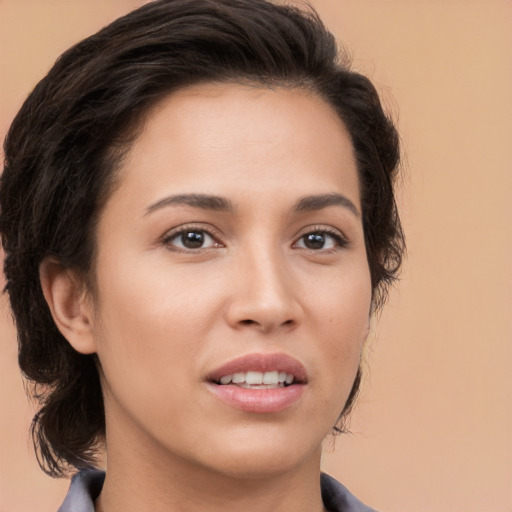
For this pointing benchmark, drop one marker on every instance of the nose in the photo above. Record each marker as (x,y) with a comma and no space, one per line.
(264,295)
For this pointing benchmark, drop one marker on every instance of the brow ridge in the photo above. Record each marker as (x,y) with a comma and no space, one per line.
(202,201)
(217,203)
(320,201)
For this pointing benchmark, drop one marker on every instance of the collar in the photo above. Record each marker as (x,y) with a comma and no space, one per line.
(86,486)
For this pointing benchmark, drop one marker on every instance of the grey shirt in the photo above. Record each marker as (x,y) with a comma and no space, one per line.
(86,486)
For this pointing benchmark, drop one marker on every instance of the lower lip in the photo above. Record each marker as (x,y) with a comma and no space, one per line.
(269,400)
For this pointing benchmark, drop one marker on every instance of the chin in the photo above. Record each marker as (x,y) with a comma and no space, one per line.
(259,468)
(251,454)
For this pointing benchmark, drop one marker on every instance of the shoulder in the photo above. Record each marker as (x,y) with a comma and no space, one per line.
(337,498)
(84,489)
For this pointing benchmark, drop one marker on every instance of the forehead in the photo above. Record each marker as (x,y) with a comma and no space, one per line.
(220,138)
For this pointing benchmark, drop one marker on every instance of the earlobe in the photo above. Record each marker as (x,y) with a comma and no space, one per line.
(66,296)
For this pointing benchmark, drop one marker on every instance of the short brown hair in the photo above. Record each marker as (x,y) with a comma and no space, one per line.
(66,142)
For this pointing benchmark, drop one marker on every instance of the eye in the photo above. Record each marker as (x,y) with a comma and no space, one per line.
(320,240)
(190,239)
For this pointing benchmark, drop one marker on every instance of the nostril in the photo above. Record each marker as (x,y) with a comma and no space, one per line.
(263,325)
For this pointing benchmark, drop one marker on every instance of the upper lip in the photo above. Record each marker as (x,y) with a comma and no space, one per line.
(261,363)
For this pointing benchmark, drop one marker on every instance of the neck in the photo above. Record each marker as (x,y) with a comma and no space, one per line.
(141,480)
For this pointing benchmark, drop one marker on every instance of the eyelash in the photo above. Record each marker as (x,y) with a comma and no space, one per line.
(169,237)
(340,241)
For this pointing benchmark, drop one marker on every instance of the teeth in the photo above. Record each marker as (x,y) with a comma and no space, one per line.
(257,379)
(271,377)
(254,378)
(238,378)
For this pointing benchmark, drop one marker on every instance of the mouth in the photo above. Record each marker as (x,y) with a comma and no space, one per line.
(258,380)
(262,383)
(263,370)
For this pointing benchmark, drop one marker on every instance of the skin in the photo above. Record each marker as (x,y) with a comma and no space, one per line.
(164,315)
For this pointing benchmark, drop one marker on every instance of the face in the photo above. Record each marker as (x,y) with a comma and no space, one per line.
(233,289)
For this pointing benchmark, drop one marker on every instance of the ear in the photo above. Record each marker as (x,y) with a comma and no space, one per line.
(69,304)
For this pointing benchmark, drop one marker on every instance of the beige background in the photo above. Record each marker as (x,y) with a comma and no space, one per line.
(433,429)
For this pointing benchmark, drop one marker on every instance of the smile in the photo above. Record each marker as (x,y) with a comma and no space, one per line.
(258,380)
(259,383)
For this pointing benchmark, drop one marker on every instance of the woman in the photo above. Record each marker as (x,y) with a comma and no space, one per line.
(198,218)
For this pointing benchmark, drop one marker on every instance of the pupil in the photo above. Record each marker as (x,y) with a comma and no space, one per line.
(192,239)
(315,241)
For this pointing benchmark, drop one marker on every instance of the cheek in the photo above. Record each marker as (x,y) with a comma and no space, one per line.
(155,318)
(342,305)
(150,294)
(341,316)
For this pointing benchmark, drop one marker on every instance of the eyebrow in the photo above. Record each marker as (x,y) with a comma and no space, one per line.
(217,203)
(202,201)
(318,202)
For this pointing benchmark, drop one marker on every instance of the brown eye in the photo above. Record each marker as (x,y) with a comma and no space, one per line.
(314,240)
(320,240)
(191,239)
